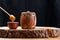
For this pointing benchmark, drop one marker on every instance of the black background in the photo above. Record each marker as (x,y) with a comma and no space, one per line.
(47,11)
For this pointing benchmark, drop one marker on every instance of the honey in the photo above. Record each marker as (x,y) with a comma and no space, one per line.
(28,20)
(12,18)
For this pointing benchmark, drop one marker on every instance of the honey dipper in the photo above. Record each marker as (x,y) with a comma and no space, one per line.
(12,17)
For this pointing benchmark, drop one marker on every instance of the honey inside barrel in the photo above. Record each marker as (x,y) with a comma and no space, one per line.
(28,20)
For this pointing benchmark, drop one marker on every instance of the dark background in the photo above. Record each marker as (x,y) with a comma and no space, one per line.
(47,11)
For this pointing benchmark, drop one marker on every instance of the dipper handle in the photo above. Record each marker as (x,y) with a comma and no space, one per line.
(4,11)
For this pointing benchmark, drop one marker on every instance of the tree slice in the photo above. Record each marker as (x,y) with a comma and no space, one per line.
(38,32)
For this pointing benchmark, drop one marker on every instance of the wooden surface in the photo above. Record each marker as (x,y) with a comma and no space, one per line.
(38,28)
(57,38)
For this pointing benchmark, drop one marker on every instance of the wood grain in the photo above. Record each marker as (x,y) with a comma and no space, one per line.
(6,28)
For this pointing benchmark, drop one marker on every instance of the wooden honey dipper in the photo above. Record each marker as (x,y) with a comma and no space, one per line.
(12,17)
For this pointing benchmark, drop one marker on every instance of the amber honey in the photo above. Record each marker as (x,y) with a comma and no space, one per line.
(28,20)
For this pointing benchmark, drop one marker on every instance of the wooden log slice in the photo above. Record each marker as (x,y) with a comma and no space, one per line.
(38,32)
